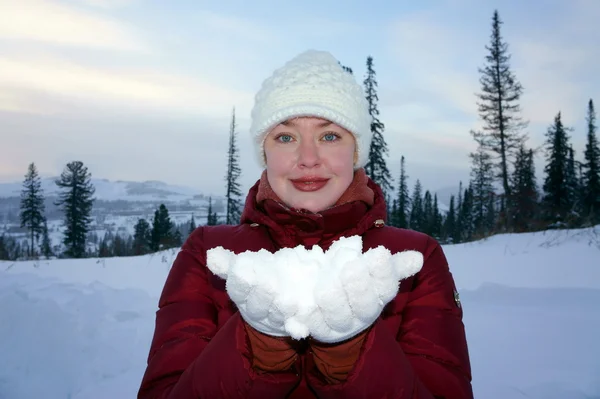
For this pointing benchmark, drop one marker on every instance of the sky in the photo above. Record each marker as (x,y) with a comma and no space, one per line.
(144,89)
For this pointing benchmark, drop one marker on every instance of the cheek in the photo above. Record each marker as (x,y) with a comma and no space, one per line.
(278,161)
(342,161)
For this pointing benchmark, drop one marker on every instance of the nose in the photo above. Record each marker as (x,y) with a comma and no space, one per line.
(308,154)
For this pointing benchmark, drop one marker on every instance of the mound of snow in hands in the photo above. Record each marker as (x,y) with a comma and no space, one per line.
(330,295)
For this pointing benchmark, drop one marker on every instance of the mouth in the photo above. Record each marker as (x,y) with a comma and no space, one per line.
(309,183)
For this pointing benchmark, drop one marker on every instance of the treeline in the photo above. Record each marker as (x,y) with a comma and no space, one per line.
(503,193)
(160,234)
(79,240)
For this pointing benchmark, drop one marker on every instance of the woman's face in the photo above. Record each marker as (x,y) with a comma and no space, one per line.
(310,162)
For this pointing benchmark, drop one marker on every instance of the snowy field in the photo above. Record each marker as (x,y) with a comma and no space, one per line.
(81,329)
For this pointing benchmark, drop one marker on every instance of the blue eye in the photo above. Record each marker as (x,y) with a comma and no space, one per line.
(330,137)
(285,138)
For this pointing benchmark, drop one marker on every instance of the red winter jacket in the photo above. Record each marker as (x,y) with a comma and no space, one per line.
(201,349)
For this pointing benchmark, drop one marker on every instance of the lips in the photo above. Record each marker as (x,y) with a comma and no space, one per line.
(309,183)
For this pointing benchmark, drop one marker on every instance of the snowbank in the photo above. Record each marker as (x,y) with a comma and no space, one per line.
(81,329)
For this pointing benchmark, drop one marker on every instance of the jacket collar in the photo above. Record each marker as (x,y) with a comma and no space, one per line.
(291,227)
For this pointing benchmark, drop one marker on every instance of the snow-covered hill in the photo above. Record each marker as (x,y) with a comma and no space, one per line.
(81,329)
(118,206)
(107,190)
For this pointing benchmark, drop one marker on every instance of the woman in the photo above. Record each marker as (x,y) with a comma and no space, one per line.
(311,129)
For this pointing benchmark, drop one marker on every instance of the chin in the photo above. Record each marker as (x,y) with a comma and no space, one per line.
(312,205)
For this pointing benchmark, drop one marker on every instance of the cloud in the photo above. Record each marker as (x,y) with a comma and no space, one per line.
(434,60)
(558,66)
(49,22)
(36,80)
(110,4)
(233,26)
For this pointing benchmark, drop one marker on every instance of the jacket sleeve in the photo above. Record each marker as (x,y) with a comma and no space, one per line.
(426,358)
(190,356)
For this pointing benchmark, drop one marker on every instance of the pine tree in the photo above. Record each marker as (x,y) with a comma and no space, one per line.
(491,216)
(393,216)
(129,245)
(32,206)
(4,255)
(416,212)
(524,201)
(10,248)
(458,225)
(119,246)
(499,108)
(557,199)
(192,226)
(436,228)
(466,215)
(233,194)
(17,250)
(211,217)
(427,213)
(177,238)
(161,235)
(104,250)
(450,232)
(76,200)
(403,198)
(574,189)
(46,244)
(591,169)
(482,183)
(346,68)
(142,237)
(376,167)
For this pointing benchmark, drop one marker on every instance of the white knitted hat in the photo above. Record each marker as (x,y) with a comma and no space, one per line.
(312,84)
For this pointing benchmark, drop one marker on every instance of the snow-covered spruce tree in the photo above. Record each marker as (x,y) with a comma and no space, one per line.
(233,193)
(32,207)
(498,103)
(557,200)
(591,170)
(376,167)
(76,200)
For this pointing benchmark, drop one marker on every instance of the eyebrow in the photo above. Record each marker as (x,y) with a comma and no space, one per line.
(291,122)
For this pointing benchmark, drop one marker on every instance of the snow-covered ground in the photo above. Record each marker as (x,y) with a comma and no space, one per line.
(81,328)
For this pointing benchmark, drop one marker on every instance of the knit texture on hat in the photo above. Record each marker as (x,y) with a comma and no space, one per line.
(312,84)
